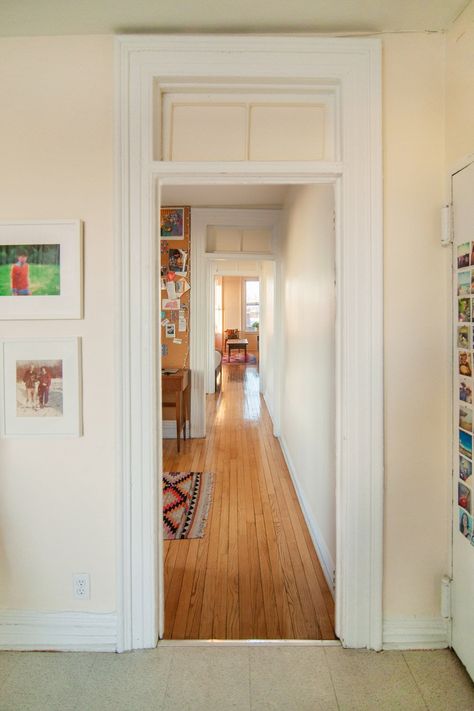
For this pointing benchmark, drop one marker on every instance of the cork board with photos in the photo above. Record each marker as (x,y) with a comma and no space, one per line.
(464,369)
(175,242)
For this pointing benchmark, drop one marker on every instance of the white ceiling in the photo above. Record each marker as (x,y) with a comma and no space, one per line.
(264,196)
(56,17)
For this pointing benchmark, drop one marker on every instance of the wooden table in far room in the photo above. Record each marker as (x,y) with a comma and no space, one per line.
(237,344)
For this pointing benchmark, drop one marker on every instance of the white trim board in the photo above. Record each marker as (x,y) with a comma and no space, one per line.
(351,68)
(412,633)
(169,429)
(325,558)
(24,630)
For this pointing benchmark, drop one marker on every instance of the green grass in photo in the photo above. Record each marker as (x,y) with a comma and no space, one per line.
(44,280)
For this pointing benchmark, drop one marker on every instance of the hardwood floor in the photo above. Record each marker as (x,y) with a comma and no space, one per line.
(255,574)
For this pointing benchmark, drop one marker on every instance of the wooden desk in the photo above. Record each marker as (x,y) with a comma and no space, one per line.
(237,344)
(176,392)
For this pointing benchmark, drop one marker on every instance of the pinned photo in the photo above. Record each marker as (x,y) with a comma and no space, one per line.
(170,330)
(464,283)
(464,310)
(463,254)
(465,363)
(465,468)
(177,261)
(464,497)
(172,223)
(465,444)
(465,418)
(472,253)
(464,336)
(465,523)
(465,390)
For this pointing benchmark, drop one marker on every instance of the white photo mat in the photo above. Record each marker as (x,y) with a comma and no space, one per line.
(68,235)
(14,351)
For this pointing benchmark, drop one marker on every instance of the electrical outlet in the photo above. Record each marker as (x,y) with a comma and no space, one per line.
(81,586)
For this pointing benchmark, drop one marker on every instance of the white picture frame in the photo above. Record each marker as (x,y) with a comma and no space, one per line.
(27,409)
(66,298)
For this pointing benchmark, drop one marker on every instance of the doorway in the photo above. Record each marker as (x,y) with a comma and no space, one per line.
(348,72)
(273,511)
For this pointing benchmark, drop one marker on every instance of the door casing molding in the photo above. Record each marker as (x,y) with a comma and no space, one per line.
(353,66)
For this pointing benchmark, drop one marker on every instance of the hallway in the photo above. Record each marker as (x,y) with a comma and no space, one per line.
(255,574)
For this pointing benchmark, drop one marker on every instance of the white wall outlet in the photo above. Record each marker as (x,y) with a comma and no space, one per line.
(81,586)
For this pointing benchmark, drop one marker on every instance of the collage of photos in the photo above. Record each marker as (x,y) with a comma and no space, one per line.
(465,345)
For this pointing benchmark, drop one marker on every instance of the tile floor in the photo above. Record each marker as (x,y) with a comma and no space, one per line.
(195,678)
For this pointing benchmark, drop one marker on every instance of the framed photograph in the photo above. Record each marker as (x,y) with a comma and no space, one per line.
(465,390)
(172,223)
(41,270)
(41,386)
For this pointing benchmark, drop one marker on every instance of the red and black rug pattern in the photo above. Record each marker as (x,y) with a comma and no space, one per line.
(238,358)
(187,497)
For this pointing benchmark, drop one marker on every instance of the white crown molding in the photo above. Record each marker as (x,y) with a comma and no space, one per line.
(413,633)
(58,631)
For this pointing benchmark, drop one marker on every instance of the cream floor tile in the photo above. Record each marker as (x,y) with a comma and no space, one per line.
(378,681)
(45,680)
(133,681)
(442,679)
(208,679)
(8,661)
(290,678)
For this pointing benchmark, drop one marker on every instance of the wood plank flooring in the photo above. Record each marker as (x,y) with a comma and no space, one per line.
(255,574)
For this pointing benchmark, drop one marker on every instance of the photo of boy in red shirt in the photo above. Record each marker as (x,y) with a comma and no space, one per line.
(20,274)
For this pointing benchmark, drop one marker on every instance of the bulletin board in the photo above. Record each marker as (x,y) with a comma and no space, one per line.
(175,240)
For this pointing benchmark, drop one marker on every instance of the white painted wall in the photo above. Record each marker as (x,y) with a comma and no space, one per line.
(57,496)
(416,333)
(460,87)
(56,136)
(268,337)
(308,384)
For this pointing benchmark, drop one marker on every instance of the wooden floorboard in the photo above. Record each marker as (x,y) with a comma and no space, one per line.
(255,573)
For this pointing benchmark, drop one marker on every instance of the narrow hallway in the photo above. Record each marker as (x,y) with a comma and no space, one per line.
(255,573)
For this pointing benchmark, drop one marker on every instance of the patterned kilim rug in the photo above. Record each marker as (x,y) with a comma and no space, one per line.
(187,497)
(239,358)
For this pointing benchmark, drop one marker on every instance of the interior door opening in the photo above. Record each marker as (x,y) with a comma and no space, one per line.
(249,500)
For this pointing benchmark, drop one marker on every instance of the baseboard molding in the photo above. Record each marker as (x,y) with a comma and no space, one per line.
(325,558)
(58,631)
(413,633)
(169,429)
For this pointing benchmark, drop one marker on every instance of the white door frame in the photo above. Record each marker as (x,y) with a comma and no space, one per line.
(352,67)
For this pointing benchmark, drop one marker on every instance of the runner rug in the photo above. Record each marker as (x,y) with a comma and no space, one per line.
(187,497)
(238,357)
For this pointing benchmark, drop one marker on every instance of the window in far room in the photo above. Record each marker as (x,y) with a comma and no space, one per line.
(251,317)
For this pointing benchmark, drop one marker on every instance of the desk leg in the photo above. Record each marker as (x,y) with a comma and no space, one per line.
(178,419)
(245,354)
(185,412)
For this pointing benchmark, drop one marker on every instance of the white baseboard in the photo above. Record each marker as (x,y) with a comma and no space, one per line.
(58,631)
(327,564)
(169,429)
(413,633)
